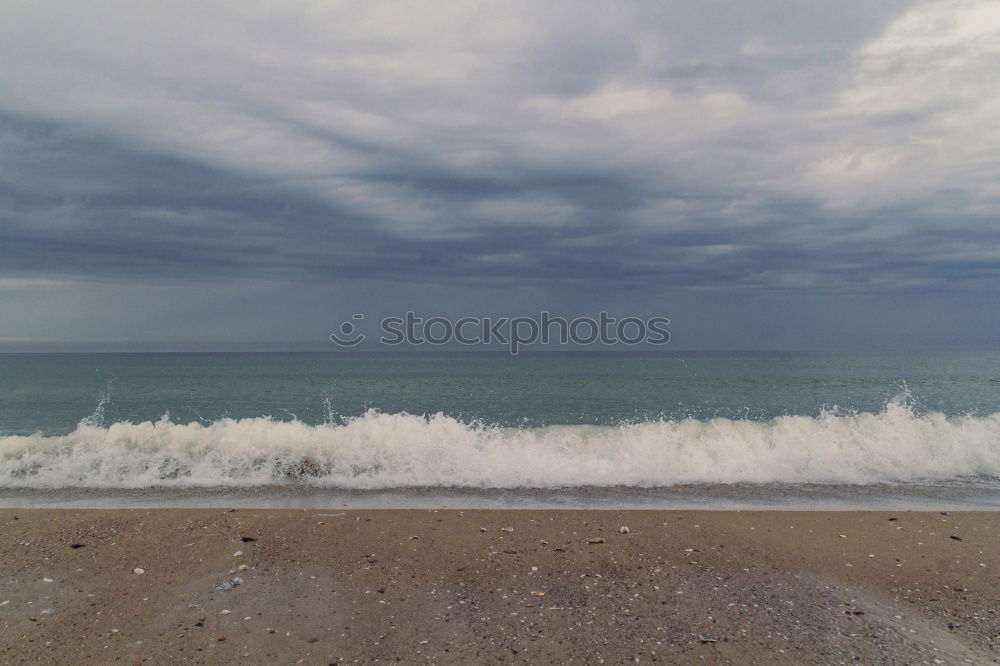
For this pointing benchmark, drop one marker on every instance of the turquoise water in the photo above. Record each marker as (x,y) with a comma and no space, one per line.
(51,393)
(480,421)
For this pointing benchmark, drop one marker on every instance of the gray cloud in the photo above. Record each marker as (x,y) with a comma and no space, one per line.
(801,148)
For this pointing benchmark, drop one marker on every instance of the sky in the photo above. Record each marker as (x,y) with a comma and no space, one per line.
(768,175)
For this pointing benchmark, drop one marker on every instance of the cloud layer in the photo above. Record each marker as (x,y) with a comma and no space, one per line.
(777,146)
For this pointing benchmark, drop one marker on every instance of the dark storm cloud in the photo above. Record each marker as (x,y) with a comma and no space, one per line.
(77,203)
(771,147)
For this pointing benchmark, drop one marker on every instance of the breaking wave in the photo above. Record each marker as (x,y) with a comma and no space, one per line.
(378,450)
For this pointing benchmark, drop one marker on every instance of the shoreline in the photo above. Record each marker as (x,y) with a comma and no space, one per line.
(449,586)
(686,497)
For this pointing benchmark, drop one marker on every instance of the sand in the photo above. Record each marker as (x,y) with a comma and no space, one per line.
(322,587)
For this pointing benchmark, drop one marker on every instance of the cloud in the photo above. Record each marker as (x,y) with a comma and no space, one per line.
(778,146)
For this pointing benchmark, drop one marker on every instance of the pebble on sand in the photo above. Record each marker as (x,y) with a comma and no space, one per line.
(595,540)
(507,529)
(229,584)
(623,529)
(243,567)
(238,553)
(138,571)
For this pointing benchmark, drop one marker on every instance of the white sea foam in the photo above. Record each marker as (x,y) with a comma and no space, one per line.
(379,450)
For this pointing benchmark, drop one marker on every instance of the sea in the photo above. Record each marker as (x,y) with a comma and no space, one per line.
(616,430)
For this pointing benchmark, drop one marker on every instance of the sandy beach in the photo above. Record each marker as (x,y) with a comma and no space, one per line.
(322,587)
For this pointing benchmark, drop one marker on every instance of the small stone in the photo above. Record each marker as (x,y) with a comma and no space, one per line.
(707,639)
(243,567)
(954,625)
(238,553)
(623,529)
(225,611)
(507,529)
(595,540)
(47,580)
(956,538)
(138,572)
(483,529)
(537,593)
(229,584)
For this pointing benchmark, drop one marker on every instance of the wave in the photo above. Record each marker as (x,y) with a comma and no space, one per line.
(379,450)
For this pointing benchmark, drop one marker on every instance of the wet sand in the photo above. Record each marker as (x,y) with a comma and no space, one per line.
(420,586)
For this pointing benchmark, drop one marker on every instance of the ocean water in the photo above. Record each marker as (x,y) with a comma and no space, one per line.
(906,430)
